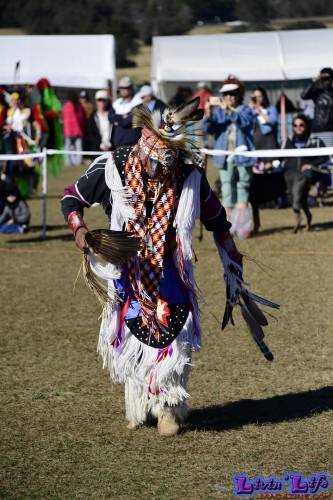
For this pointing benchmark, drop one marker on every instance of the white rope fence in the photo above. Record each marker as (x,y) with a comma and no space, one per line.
(239,151)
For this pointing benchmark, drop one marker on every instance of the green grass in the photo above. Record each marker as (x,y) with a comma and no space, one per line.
(63,432)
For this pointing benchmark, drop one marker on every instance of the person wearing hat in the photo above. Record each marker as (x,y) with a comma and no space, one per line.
(151,102)
(120,115)
(98,129)
(320,91)
(152,192)
(231,123)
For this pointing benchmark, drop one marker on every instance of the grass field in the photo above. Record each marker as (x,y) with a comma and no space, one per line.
(63,433)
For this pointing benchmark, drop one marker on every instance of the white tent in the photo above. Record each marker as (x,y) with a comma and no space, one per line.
(263,56)
(84,61)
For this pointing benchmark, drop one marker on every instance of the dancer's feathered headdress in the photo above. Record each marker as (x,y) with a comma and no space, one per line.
(175,127)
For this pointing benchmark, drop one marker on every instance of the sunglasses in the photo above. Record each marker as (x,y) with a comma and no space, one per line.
(230,92)
(299,125)
(101,99)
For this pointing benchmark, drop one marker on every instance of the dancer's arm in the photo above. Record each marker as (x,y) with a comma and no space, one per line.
(91,188)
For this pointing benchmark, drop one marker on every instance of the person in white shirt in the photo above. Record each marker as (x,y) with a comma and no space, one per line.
(120,115)
(98,129)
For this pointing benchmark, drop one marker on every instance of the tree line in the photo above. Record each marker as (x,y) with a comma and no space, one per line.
(132,21)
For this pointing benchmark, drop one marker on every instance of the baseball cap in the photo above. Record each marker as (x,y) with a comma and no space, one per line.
(145,90)
(101,94)
(228,87)
(125,82)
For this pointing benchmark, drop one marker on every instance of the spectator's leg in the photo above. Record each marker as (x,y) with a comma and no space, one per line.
(77,159)
(305,188)
(296,202)
(68,147)
(256,217)
(243,186)
(228,187)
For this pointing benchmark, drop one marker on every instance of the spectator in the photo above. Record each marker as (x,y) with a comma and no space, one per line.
(120,115)
(321,92)
(86,103)
(265,128)
(290,110)
(15,214)
(17,115)
(74,121)
(98,129)
(51,109)
(204,92)
(298,171)
(149,100)
(3,118)
(231,123)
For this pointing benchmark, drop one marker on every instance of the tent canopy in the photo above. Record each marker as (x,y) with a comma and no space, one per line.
(261,56)
(85,61)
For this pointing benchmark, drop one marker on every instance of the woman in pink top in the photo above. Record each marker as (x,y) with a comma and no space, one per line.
(74,119)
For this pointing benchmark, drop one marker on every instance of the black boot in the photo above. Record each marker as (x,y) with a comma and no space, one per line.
(298,222)
(308,219)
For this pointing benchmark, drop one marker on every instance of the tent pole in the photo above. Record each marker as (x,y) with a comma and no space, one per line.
(283,115)
(44,195)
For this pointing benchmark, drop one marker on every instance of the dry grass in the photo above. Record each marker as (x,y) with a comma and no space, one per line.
(63,433)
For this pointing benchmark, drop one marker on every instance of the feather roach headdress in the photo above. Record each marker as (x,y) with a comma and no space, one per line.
(175,128)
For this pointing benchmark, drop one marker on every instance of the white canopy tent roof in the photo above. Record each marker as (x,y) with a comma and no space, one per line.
(261,56)
(84,61)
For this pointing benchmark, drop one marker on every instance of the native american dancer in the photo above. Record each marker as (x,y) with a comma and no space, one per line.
(142,267)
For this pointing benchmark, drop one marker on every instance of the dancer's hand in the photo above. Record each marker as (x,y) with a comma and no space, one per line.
(80,238)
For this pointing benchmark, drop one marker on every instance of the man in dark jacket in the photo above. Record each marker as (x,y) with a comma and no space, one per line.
(320,91)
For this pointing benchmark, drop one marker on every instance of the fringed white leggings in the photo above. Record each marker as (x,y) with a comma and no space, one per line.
(139,403)
(154,378)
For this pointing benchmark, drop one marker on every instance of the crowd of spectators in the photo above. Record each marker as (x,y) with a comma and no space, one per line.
(32,117)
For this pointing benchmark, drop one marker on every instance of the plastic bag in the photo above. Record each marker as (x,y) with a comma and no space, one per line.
(242,222)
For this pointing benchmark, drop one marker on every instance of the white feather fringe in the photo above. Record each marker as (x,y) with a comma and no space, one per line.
(153,378)
(122,210)
(187,213)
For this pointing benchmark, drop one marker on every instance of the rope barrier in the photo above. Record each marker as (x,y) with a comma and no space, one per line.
(270,153)
(240,151)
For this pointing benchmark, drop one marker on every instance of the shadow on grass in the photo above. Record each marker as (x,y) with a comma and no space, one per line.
(39,239)
(22,239)
(321,226)
(54,227)
(261,411)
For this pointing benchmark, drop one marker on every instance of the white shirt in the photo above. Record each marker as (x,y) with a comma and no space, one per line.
(123,106)
(104,127)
